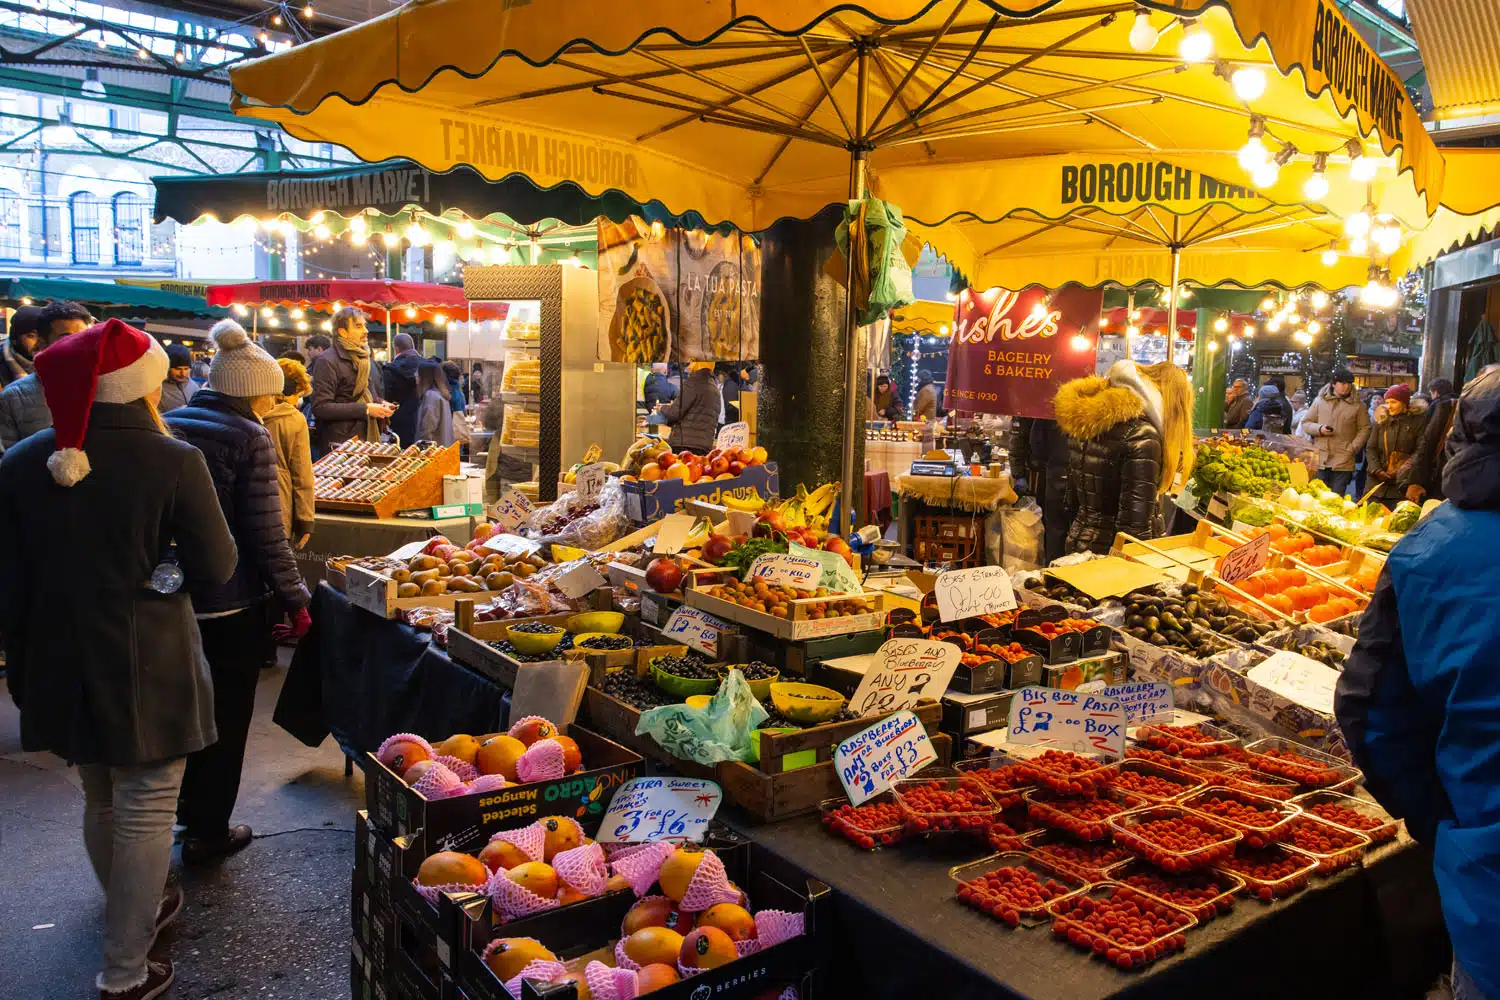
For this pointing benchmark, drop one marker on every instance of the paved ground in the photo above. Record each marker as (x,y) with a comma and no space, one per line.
(271,923)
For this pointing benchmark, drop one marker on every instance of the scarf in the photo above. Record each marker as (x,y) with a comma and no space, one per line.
(359,355)
(20,364)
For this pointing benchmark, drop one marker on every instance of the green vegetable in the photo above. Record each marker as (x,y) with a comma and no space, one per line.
(739,559)
(1404,517)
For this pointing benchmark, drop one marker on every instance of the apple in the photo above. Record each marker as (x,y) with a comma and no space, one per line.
(666,460)
(664,576)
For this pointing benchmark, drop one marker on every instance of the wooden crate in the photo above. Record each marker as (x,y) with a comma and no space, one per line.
(1176,555)
(799,626)
(423,488)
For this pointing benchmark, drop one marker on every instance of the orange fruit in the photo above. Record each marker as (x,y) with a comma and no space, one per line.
(499,756)
(402,754)
(733,920)
(656,912)
(616,883)
(452,868)
(510,955)
(502,855)
(537,876)
(562,834)
(654,977)
(678,870)
(461,745)
(532,730)
(679,471)
(651,473)
(580,984)
(707,948)
(651,945)
(567,894)
(572,756)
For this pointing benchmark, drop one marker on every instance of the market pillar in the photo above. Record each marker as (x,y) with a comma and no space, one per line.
(1210,368)
(801,411)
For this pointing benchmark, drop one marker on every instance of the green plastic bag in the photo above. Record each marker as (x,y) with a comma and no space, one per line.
(708,735)
(888,278)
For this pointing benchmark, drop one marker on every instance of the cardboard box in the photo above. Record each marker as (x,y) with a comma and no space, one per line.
(797,658)
(463,489)
(966,715)
(464,823)
(376,858)
(1106,669)
(650,501)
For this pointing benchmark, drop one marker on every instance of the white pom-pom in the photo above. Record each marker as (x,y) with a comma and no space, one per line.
(68,466)
(229,335)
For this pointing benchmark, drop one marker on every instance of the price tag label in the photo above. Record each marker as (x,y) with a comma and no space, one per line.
(646,810)
(672,531)
(1143,700)
(904,671)
(593,454)
(695,630)
(511,545)
(964,593)
(1068,720)
(779,570)
(590,480)
(1218,508)
(1244,561)
(741,522)
(735,435)
(1299,679)
(872,760)
(512,511)
(838,575)
(409,549)
(578,581)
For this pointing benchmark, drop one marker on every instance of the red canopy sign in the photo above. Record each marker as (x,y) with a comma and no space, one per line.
(429,303)
(1011,350)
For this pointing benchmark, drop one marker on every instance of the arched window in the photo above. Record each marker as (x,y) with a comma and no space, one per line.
(83,214)
(10,225)
(130,228)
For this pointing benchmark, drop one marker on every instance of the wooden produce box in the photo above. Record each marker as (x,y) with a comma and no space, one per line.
(1178,555)
(796,658)
(377,594)
(469,641)
(423,488)
(799,626)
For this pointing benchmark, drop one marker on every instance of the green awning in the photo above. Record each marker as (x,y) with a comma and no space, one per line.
(106,299)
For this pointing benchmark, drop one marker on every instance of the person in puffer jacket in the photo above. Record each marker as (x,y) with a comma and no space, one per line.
(1130,440)
(223,421)
(1419,696)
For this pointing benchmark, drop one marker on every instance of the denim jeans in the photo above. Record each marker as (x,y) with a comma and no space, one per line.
(1337,480)
(127,828)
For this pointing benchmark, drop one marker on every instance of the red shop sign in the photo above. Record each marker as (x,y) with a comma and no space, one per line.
(1011,350)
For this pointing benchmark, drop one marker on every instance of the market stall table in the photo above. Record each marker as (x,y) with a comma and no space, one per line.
(946,519)
(1367,932)
(352,535)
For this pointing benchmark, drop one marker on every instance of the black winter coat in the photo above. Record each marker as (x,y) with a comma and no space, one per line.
(1432,453)
(336,417)
(1114,464)
(401,389)
(694,415)
(242,461)
(103,669)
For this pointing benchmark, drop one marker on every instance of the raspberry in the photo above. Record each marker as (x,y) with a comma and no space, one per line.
(1084,818)
(1175,840)
(1200,893)
(866,826)
(1374,827)
(1260,822)
(1091,861)
(1121,925)
(1184,741)
(1295,767)
(945,804)
(1269,873)
(1067,773)
(1149,786)
(1005,783)
(1011,892)
(1332,847)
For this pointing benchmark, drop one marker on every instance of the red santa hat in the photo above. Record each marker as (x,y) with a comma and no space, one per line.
(110,362)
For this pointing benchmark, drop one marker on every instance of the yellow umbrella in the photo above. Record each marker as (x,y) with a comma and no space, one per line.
(753,110)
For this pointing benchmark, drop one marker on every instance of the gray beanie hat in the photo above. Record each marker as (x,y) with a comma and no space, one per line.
(240,367)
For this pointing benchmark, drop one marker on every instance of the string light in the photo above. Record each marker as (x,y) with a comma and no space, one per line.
(1314,327)
(1302,338)
(1248,83)
(1330,257)
(1267,304)
(1213,345)
(1080,343)
(1319,298)
(1358,224)
(1197,44)
(1221,324)
(1254,153)
(416,235)
(390,239)
(302,325)
(321,231)
(1249,331)
(240,310)
(1316,185)
(1132,330)
(466,230)
(1359,247)
(1142,35)
(267,312)
(1362,168)
(296,314)
(411,312)
(307,11)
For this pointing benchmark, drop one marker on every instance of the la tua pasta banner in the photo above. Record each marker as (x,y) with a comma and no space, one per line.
(1011,350)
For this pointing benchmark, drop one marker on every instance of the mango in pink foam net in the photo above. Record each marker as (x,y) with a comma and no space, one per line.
(583,868)
(543,762)
(606,983)
(775,926)
(512,900)
(438,783)
(485,783)
(709,885)
(542,969)
(640,868)
(530,840)
(462,768)
(401,751)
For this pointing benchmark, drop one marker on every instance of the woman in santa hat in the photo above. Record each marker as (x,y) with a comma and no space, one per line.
(112,519)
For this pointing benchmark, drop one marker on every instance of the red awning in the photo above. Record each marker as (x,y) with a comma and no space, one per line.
(408,301)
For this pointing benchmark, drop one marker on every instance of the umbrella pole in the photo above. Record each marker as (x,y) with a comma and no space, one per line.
(858,174)
(1176,246)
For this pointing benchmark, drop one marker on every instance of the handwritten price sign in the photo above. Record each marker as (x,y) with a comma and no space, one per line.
(645,810)
(1068,720)
(695,630)
(964,593)
(870,761)
(733,435)
(512,511)
(1299,679)
(1244,561)
(511,545)
(903,672)
(1143,700)
(779,570)
(590,480)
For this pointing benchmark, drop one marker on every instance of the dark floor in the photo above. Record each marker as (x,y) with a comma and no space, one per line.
(271,923)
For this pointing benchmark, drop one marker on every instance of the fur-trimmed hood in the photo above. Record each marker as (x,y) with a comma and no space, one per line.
(1087,407)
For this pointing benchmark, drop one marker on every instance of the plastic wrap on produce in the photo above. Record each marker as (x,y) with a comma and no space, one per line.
(531,597)
(1293,446)
(1295,635)
(1020,528)
(719,732)
(585,524)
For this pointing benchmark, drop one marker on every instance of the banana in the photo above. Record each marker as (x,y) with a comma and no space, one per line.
(793,513)
(821,499)
(750,505)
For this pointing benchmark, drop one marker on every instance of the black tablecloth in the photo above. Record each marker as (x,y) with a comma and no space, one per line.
(899,932)
(363,678)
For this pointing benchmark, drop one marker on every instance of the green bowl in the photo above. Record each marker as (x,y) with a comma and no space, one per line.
(597,621)
(534,643)
(755,742)
(807,703)
(683,687)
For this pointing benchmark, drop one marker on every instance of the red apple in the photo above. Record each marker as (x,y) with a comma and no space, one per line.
(664,576)
(666,460)
(736,467)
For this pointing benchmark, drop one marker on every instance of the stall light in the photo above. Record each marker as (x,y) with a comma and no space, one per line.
(240,310)
(1249,331)
(465,230)
(307,11)
(322,232)
(1253,153)
(166,341)
(389,238)
(1135,314)
(26,300)
(1132,331)
(1359,247)
(326,326)
(317,217)
(302,325)
(1248,82)
(1221,324)
(440,319)
(296,313)
(1274,324)
(1213,346)
(1039,311)
(1387,238)
(1319,298)
(1315,188)
(267,312)
(1314,327)
(575,261)
(1080,343)
(263,37)
(1302,338)
(273,322)
(943,330)
(1267,304)
(337,305)
(276,20)
(1330,257)
(1142,35)
(357,238)
(1197,44)
(416,235)
(1358,224)
(411,312)
(1362,168)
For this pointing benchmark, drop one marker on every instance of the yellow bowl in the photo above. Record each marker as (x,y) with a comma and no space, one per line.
(806,702)
(578,638)
(597,621)
(535,643)
(698,700)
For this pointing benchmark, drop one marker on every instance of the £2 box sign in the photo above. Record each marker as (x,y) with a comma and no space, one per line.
(903,672)
(646,810)
(1244,561)
(872,760)
(1068,720)
(696,630)
(964,593)
(512,511)
(779,570)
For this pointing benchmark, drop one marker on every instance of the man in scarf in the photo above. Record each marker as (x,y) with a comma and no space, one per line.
(346,402)
(17,349)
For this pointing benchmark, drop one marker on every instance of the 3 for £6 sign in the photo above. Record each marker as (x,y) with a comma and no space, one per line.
(646,810)
(872,760)
(964,593)
(1068,720)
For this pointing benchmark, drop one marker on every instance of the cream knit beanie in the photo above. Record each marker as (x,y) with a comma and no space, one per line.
(240,367)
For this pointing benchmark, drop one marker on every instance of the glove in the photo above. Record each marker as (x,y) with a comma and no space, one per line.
(1415,493)
(301,622)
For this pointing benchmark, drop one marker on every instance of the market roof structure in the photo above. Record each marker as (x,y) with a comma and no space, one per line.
(107,300)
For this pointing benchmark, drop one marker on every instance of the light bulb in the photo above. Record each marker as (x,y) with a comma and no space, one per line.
(1357,225)
(1080,342)
(296,314)
(1039,311)
(1274,325)
(416,235)
(357,238)
(411,312)
(1315,187)
(1253,153)
(302,325)
(1132,330)
(1267,304)
(326,326)
(1387,239)
(1196,45)
(337,306)
(1221,324)
(465,230)
(575,261)
(267,312)
(1135,314)
(358,224)
(1319,298)
(1314,327)
(273,322)
(322,232)
(1249,83)
(1142,35)
(1359,246)
(1362,168)
(1249,331)
(307,11)
(1265,175)
(1330,257)
(440,319)
(389,238)
(1302,338)
(240,310)
(1213,345)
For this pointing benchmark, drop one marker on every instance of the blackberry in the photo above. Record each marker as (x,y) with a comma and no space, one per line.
(537,628)
(606,642)
(757,671)
(634,691)
(690,666)
(566,642)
